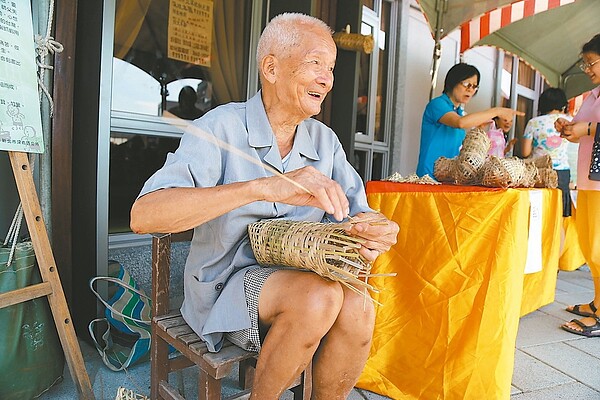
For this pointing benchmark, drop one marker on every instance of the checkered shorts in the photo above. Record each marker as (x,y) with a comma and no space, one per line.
(249,339)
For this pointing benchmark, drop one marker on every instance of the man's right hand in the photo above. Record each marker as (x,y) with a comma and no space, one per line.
(306,187)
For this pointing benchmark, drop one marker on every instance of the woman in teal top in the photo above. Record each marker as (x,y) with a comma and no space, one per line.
(444,119)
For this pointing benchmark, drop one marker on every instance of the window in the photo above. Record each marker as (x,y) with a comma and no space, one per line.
(171,58)
(372,141)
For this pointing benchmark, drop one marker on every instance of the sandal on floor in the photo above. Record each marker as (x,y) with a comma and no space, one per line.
(589,331)
(576,310)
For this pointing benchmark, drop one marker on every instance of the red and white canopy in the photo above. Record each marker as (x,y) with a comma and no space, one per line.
(479,27)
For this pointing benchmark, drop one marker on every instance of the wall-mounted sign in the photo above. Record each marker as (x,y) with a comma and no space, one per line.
(20,119)
(190,31)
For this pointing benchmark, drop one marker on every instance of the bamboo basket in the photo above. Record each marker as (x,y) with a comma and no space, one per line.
(127,394)
(544,161)
(324,248)
(547,178)
(503,172)
(531,175)
(444,169)
(471,157)
(354,41)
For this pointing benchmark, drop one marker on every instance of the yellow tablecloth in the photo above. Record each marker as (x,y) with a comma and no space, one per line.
(449,320)
(571,257)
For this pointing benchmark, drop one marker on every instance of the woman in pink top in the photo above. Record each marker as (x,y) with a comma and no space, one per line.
(582,130)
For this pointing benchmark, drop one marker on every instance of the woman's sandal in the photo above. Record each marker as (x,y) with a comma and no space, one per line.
(576,310)
(589,331)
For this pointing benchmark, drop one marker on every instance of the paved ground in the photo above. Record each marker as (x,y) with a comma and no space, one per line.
(550,364)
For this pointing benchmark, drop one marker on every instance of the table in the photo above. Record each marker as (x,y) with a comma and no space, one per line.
(448,324)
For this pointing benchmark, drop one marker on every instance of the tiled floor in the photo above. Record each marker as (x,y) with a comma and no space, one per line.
(550,364)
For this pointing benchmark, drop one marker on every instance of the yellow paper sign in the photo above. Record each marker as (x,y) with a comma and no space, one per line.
(190,31)
(20,118)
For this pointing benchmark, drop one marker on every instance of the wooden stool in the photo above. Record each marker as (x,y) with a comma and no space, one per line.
(169,329)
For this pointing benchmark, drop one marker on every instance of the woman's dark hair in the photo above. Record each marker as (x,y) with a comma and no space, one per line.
(593,46)
(459,73)
(552,99)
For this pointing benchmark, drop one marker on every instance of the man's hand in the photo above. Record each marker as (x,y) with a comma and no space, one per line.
(379,232)
(307,187)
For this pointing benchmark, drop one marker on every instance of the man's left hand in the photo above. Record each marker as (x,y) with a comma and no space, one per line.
(379,232)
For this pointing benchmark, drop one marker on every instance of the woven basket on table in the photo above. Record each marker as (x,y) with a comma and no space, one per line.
(531,175)
(319,247)
(547,178)
(471,157)
(444,169)
(544,161)
(503,172)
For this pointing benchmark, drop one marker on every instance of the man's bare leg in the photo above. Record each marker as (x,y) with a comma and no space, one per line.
(343,352)
(299,308)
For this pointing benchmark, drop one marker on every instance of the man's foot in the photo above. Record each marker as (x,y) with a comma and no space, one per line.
(588,326)
(584,310)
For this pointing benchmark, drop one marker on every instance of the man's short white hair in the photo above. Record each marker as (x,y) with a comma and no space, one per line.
(282,34)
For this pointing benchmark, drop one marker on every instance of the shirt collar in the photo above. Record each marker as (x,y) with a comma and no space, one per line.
(455,108)
(260,133)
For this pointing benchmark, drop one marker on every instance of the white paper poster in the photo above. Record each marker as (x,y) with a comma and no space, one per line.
(20,119)
(534,244)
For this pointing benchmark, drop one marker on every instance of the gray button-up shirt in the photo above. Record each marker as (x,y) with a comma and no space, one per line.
(220,252)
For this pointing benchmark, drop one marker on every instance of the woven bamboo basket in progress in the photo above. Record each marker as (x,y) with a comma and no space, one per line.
(324,248)
(503,172)
(471,157)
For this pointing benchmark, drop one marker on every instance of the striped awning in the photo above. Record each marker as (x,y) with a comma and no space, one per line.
(479,27)
(545,34)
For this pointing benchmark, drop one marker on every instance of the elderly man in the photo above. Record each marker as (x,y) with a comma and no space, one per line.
(289,316)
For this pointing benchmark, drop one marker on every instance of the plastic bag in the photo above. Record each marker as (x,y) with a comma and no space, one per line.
(126,338)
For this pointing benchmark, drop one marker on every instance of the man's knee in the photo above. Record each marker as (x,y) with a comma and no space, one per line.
(322,304)
(358,315)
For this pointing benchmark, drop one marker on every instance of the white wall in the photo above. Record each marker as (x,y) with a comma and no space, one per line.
(415,61)
(485,59)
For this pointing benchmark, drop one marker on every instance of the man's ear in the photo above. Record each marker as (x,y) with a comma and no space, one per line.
(268,68)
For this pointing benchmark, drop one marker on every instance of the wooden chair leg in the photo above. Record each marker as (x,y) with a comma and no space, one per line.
(159,363)
(208,387)
(304,390)
(246,373)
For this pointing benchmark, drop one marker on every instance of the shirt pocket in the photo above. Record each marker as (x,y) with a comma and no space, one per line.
(205,294)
